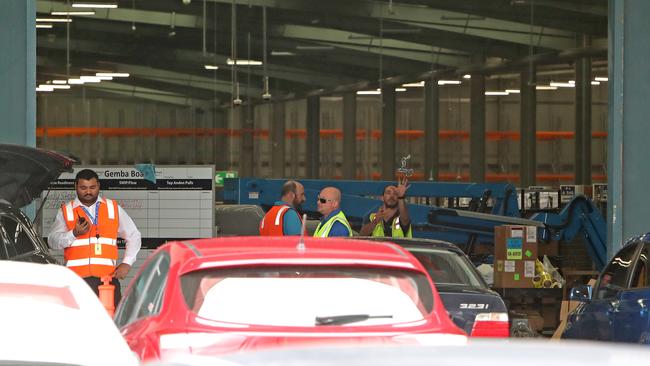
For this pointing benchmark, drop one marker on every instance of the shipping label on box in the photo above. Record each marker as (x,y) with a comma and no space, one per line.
(531,234)
(529,269)
(509,266)
(514,248)
(517,232)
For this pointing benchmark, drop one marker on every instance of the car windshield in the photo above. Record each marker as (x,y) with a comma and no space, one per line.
(297,296)
(447,267)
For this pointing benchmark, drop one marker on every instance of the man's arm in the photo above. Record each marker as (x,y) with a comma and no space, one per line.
(291,223)
(131,235)
(369,226)
(402,187)
(60,237)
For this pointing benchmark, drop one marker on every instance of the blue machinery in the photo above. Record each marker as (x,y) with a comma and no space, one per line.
(490,205)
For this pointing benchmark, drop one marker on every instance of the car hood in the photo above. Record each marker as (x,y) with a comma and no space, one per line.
(26,171)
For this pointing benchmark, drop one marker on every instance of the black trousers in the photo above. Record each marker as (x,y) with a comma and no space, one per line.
(94,283)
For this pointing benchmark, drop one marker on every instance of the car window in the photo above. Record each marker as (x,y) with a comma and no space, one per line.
(295,296)
(614,277)
(145,296)
(641,277)
(447,267)
(18,240)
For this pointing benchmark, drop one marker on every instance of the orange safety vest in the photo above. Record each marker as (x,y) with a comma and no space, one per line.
(273,222)
(94,253)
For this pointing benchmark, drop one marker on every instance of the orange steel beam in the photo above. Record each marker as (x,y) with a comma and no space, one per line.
(290,133)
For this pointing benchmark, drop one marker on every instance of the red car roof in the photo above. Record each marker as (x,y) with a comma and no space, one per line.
(258,250)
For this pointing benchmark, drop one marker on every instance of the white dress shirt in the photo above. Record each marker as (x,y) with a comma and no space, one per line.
(60,237)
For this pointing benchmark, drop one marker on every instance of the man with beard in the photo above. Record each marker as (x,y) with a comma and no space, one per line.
(392,219)
(87,230)
(284,217)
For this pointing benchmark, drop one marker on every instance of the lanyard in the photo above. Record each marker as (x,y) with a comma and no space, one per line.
(92,217)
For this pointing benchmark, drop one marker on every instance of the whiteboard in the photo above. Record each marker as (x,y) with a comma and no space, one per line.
(180,205)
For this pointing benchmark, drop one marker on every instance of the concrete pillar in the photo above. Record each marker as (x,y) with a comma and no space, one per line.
(431,129)
(477,129)
(388,130)
(528,128)
(583,116)
(628,205)
(278,129)
(350,136)
(18,72)
(312,156)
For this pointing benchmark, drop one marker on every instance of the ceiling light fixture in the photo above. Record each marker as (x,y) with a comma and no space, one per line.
(44,26)
(369,92)
(94,5)
(562,85)
(244,62)
(46,88)
(496,93)
(595,83)
(90,79)
(545,87)
(54,20)
(72,13)
(113,74)
(211,67)
(400,89)
(75,81)
(449,82)
(600,78)
(60,82)
(60,86)
(513,91)
(467,76)
(419,84)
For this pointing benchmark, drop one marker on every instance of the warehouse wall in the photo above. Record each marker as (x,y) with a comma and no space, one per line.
(140,131)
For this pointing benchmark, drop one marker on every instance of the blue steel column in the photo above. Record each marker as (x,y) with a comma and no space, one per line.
(628,173)
(18,72)
(312,156)
(431,129)
(388,131)
(350,136)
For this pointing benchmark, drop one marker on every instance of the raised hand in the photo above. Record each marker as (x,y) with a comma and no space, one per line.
(402,186)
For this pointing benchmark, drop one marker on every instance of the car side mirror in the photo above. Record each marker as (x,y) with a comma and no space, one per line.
(581,293)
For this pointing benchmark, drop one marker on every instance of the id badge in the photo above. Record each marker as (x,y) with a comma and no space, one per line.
(98,249)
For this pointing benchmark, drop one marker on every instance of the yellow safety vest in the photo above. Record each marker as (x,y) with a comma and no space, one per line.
(323,229)
(397,231)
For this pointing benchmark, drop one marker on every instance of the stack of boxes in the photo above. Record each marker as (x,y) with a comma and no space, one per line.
(515,252)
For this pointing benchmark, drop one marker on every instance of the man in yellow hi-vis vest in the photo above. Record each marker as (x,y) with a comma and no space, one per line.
(392,219)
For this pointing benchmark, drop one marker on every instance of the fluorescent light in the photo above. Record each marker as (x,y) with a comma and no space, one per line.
(595,83)
(545,87)
(245,62)
(369,92)
(72,13)
(400,89)
(45,26)
(54,20)
(562,85)
(90,79)
(599,78)
(448,82)
(211,67)
(513,91)
(282,53)
(572,81)
(467,76)
(75,81)
(496,93)
(44,87)
(60,86)
(94,5)
(419,84)
(59,81)
(104,77)
(113,74)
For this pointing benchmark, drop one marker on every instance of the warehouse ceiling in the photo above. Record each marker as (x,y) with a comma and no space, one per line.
(312,46)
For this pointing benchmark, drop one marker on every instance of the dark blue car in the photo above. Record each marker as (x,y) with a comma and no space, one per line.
(617,309)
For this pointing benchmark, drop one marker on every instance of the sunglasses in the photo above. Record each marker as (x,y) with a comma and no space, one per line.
(324,200)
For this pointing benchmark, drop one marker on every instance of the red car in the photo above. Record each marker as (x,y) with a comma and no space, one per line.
(217,296)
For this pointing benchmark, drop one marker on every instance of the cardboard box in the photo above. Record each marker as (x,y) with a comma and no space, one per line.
(515,251)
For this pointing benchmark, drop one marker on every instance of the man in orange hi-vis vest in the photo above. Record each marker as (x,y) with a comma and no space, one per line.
(87,230)
(283,218)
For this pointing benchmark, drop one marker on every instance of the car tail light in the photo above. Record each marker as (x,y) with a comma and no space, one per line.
(491,325)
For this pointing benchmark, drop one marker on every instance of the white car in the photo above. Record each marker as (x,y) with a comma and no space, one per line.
(49,315)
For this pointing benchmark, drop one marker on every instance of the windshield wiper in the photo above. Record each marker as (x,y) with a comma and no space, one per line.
(345,319)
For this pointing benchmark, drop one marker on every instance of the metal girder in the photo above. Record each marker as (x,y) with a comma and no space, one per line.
(364,42)
(149,94)
(593,9)
(426,17)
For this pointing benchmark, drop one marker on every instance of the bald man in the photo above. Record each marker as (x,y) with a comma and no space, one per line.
(334,222)
(283,218)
